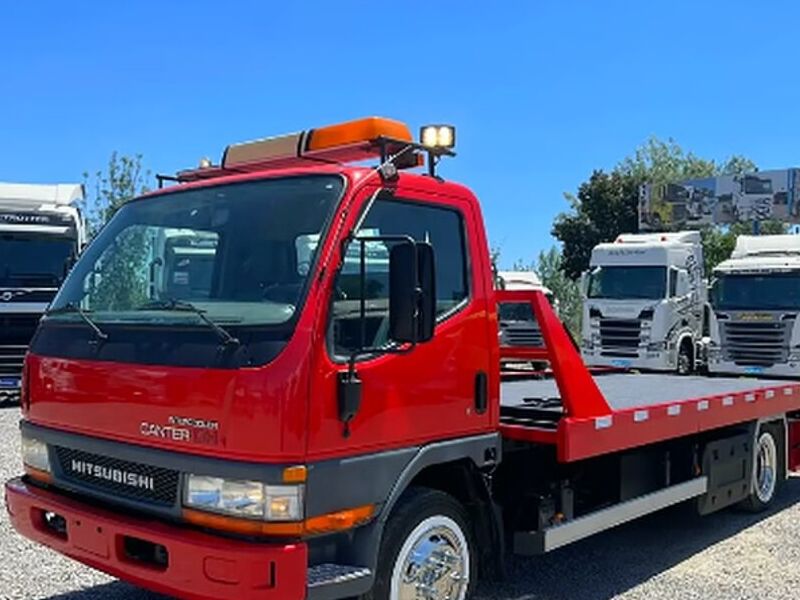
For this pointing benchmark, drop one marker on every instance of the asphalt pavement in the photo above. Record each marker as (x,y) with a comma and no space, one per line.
(674,555)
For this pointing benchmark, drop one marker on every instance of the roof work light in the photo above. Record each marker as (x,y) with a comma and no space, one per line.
(437,136)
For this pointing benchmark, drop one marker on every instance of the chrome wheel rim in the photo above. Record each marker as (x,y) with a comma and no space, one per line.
(433,563)
(766,467)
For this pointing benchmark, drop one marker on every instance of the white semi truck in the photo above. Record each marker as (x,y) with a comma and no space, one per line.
(644,303)
(755,295)
(518,326)
(41,232)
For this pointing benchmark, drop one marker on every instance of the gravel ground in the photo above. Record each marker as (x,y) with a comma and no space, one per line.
(673,555)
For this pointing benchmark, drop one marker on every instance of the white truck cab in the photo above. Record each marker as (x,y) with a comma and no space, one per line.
(755,296)
(41,233)
(644,302)
(517,323)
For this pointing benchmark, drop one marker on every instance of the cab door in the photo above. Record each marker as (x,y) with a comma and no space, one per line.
(440,389)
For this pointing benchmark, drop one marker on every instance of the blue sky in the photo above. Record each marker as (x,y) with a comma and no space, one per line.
(541,92)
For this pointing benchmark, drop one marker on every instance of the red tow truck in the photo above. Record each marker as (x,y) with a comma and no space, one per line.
(280,379)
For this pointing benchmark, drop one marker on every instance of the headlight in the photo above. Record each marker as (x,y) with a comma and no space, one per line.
(34,454)
(656,346)
(249,499)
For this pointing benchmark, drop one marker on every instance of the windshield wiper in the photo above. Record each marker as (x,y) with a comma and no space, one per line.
(173,304)
(72,307)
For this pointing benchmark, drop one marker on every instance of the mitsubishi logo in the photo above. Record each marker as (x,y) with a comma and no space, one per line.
(9,295)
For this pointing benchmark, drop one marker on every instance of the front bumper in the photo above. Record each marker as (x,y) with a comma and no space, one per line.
(729,367)
(199,566)
(663,362)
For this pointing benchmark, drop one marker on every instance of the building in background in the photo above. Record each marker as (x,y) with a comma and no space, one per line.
(721,200)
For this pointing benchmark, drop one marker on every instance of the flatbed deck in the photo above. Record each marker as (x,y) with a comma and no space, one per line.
(642,409)
(584,415)
(635,390)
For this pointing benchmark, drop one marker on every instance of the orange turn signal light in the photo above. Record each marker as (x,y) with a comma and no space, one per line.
(297,474)
(38,474)
(329,523)
(339,521)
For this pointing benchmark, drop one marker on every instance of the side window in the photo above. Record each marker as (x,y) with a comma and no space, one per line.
(673,282)
(442,227)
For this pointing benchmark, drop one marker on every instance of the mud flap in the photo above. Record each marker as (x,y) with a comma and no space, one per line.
(728,464)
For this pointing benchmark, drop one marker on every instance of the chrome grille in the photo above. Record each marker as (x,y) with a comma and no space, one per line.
(620,337)
(11,358)
(16,332)
(526,335)
(761,344)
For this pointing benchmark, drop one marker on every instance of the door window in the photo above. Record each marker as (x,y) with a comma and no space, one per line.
(440,226)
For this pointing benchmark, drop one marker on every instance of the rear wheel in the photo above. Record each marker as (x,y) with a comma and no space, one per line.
(768,469)
(427,551)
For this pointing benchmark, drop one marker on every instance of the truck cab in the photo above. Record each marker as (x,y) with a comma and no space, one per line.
(41,234)
(251,352)
(644,299)
(755,296)
(518,326)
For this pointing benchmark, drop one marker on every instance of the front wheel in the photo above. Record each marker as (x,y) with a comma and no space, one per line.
(685,359)
(427,551)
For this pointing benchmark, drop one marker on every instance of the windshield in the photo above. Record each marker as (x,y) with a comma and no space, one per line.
(774,291)
(515,311)
(34,260)
(628,283)
(230,250)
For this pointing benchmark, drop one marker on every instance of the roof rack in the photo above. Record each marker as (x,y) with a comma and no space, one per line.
(349,142)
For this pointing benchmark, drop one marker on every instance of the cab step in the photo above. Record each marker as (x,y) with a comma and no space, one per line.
(330,580)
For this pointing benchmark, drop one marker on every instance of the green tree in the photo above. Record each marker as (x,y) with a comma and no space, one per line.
(123,179)
(607,203)
(736,165)
(548,267)
(605,206)
(120,278)
(658,161)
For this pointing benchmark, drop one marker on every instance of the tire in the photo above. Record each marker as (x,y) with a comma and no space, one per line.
(685,359)
(426,520)
(769,469)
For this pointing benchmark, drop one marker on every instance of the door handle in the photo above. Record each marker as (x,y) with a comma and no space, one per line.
(481,392)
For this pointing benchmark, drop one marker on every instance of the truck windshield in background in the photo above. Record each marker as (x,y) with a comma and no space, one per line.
(628,283)
(519,311)
(231,250)
(515,311)
(34,260)
(774,291)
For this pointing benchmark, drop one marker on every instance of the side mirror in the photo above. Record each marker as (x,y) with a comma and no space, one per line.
(713,292)
(412,292)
